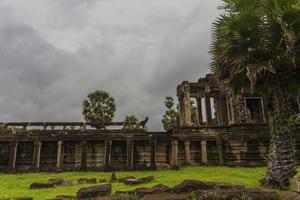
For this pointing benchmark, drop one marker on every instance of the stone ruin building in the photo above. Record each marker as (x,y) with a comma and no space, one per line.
(230,130)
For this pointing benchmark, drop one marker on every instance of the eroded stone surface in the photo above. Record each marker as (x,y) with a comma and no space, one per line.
(291,196)
(228,194)
(167,196)
(141,192)
(56,181)
(41,186)
(135,181)
(192,185)
(295,184)
(95,191)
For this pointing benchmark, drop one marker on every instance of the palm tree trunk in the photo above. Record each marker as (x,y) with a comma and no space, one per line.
(281,160)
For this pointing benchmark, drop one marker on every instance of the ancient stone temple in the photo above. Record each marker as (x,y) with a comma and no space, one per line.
(226,130)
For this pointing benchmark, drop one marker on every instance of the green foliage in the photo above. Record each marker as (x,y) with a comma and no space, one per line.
(98,107)
(9,129)
(131,119)
(255,42)
(171,116)
(169,102)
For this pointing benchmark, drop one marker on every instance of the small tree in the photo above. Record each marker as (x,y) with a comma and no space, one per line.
(132,119)
(171,116)
(98,107)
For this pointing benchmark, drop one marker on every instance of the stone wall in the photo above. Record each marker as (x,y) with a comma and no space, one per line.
(99,150)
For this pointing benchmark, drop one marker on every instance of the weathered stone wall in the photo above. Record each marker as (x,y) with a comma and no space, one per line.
(98,150)
(48,156)
(142,155)
(95,155)
(4,155)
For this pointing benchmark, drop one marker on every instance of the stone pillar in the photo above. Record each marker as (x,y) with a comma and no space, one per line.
(220,151)
(130,154)
(223,109)
(218,117)
(59,162)
(12,157)
(203,152)
(229,117)
(188,110)
(187,152)
(153,153)
(107,152)
(199,105)
(37,155)
(181,111)
(83,166)
(208,111)
(183,93)
(232,110)
(174,160)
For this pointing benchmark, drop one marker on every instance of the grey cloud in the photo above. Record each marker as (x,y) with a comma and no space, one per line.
(138,52)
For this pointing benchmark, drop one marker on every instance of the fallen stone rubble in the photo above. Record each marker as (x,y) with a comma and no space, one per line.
(187,190)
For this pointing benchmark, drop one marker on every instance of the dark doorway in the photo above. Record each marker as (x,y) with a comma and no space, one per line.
(256,113)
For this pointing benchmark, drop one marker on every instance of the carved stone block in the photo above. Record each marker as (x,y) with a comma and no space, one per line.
(295,184)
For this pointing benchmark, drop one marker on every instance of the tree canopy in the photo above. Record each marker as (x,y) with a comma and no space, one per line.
(131,119)
(256,42)
(98,107)
(171,116)
(256,48)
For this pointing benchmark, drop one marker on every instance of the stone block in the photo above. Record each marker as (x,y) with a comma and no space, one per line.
(40,186)
(295,184)
(95,191)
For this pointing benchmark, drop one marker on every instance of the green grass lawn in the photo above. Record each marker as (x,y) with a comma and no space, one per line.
(17,185)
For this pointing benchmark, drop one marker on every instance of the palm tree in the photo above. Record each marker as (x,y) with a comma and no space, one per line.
(255,48)
(98,107)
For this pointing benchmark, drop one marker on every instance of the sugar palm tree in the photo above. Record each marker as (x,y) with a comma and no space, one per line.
(98,107)
(256,48)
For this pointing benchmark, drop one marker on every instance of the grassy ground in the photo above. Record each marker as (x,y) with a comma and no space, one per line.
(12,186)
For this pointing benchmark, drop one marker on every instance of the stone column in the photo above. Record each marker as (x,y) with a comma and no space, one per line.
(208,111)
(130,154)
(223,109)
(187,152)
(174,162)
(12,157)
(59,162)
(229,118)
(220,151)
(107,152)
(153,153)
(203,152)
(263,109)
(181,111)
(188,110)
(83,166)
(218,117)
(232,110)
(37,155)
(199,105)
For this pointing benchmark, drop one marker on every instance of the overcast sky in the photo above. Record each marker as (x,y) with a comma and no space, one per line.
(54,52)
